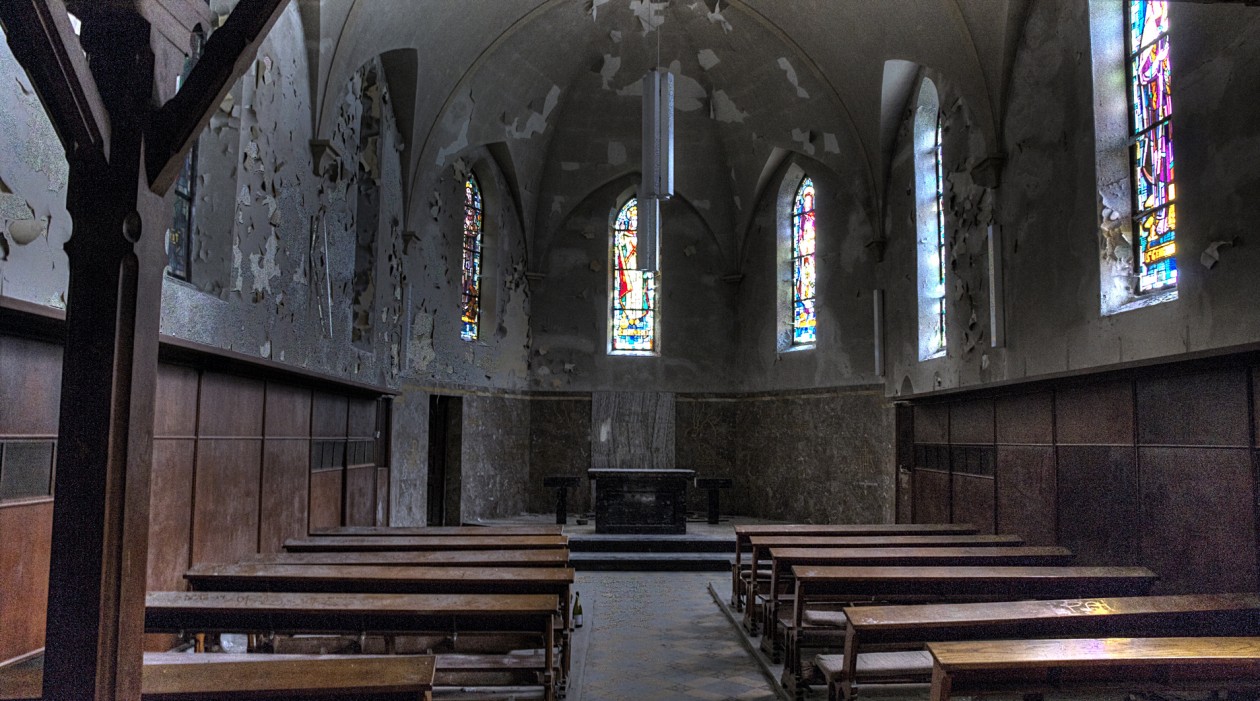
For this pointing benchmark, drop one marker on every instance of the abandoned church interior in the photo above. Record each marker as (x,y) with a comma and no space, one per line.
(629,349)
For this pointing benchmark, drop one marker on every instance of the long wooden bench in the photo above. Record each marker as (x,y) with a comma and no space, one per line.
(436,531)
(183,677)
(886,644)
(754,579)
(743,533)
(424,543)
(783,559)
(1131,664)
(827,585)
(381,615)
(442,558)
(388,579)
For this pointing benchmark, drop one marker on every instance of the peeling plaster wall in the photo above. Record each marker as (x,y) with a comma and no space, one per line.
(1048,208)
(570,309)
(845,352)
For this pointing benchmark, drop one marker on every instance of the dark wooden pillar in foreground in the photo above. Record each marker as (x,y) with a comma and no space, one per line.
(97,586)
(110,123)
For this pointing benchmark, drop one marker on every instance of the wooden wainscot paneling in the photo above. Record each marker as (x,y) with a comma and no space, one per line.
(1098,516)
(931,423)
(225,517)
(1198,519)
(1198,409)
(382,496)
(971,422)
(1095,414)
(972,487)
(1025,419)
(30,387)
(285,488)
(931,484)
(329,416)
(286,466)
(25,545)
(1026,494)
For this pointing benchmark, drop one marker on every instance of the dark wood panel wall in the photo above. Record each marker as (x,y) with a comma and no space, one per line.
(236,470)
(1154,467)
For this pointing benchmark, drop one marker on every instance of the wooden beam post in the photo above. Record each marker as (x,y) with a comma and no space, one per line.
(100,518)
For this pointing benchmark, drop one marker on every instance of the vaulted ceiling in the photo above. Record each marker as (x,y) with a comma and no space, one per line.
(556,82)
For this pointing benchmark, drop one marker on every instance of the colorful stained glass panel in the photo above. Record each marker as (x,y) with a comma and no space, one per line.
(633,291)
(804,265)
(1153,169)
(470,299)
(1148,20)
(1157,232)
(1152,86)
(1154,186)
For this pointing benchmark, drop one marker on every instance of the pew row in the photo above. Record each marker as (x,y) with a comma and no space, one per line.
(441,558)
(784,559)
(743,533)
(524,620)
(436,531)
(760,546)
(820,586)
(1094,664)
(887,644)
(223,677)
(424,543)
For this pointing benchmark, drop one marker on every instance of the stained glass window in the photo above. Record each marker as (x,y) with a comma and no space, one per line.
(179,237)
(1155,193)
(633,291)
(471,295)
(804,266)
(938,342)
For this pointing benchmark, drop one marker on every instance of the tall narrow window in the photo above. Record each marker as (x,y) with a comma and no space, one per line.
(930,221)
(471,297)
(633,291)
(804,266)
(1155,193)
(179,238)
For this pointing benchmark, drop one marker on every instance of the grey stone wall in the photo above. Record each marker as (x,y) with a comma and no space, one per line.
(496,452)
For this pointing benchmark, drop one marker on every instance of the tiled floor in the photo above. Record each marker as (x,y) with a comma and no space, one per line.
(659,635)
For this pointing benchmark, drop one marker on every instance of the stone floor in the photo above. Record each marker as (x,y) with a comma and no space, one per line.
(659,635)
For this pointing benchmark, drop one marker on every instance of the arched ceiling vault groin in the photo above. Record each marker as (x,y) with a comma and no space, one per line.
(495,68)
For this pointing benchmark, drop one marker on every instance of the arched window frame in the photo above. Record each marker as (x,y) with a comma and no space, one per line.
(179,236)
(472,244)
(633,295)
(1116,150)
(932,244)
(1151,112)
(803,226)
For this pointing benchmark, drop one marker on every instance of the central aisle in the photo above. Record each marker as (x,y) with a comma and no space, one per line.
(652,636)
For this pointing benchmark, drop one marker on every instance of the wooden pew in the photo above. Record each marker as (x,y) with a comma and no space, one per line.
(385,615)
(428,543)
(783,559)
(436,531)
(743,533)
(760,545)
(1148,664)
(909,628)
(391,579)
(179,677)
(827,584)
(441,558)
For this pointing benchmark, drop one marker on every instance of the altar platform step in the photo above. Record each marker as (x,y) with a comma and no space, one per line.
(651,553)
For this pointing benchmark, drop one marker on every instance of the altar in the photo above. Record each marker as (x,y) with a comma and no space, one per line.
(641,501)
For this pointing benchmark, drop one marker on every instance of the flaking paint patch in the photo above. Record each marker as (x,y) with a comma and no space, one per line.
(725,110)
(787,68)
(536,122)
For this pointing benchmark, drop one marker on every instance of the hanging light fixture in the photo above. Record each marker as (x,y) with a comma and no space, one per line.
(658,160)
